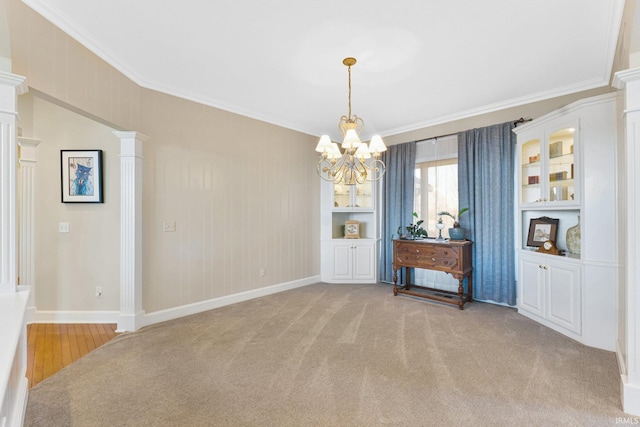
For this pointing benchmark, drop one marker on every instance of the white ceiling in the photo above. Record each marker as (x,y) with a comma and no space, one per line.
(420,62)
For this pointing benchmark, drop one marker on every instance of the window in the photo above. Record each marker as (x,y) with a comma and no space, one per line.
(436,181)
(436,190)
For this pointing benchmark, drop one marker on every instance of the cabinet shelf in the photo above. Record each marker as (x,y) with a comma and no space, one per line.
(531,165)
(563,182)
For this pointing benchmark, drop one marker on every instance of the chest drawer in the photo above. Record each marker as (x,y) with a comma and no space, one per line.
(421,255)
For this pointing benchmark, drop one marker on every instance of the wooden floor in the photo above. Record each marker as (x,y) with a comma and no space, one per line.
(51,347)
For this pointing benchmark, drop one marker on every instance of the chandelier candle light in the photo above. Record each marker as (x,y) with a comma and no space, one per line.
(358,162)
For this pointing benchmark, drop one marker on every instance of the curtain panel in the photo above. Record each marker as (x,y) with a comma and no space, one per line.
(486,187)
(397,200)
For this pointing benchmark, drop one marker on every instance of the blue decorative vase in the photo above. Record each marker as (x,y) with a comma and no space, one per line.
(457,233)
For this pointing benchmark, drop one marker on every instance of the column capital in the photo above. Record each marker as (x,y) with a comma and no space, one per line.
(127,134)
(15,80)
(621,78)
(130,143)
(27,149)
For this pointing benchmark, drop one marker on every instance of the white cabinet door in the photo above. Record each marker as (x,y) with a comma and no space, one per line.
(363,261)
(550,289)
(532,280)
(353,261)
(342,261)
(564,296)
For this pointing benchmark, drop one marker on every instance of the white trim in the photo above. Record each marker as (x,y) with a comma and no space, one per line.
(630,397)
(63,316)
(198,307)
(574,106)
(20,405)
(622,367)
(17,81)
(146,319)
(13,356)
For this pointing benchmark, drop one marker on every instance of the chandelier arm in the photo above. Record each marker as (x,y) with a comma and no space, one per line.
(378,168)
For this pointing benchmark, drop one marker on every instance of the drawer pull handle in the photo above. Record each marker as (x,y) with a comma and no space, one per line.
(433,259)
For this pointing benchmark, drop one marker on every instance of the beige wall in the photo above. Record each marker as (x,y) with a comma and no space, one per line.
(63,69)
(243,193)
(69,266)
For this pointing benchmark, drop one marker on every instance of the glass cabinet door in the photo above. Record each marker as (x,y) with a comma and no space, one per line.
(561,166)
(531,172)
(353,196)
(363,195)
(341,196)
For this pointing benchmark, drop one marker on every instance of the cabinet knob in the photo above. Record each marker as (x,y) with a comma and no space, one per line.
(545,267)
(433,259)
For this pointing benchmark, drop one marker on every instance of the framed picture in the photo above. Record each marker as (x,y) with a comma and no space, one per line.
(81,176)
(542,229)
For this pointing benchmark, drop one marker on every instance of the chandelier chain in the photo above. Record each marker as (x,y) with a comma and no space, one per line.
(349,117)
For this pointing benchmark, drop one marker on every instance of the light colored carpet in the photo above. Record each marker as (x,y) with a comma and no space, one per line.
(336,355)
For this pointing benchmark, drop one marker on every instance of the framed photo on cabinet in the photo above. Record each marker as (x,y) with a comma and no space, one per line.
(542,229)
(81,176)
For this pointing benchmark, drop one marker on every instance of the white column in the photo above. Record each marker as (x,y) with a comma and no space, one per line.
(27,179)
(11,86)
(131,312)
(629,81)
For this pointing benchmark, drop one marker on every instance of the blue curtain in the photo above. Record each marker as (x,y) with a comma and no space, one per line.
(397,200)
(485,185)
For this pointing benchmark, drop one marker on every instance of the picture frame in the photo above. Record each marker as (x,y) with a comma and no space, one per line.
(542,229)
(81,176)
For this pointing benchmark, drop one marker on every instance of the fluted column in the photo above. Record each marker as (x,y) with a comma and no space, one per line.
(629,332)
(131,312)
(27,178)
(11,86)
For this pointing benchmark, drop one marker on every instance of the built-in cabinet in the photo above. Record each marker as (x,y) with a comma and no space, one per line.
(565,170)
(346,258)
(552,290)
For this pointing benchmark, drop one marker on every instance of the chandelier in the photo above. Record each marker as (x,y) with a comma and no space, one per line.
(358,162)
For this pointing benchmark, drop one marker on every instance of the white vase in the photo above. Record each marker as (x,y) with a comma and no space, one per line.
(573,238)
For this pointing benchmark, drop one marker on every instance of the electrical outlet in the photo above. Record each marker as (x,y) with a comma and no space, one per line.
(99,291)
(63,227)
(169,227)
(263,272)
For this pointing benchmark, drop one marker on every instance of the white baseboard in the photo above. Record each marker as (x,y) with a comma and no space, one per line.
(20,408)
(130,322)
(198,307)
(629,393)
(43,316)
(630,397)
(146,319)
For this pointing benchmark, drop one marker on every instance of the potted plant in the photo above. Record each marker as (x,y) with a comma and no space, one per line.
(457,232)
(414,231)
